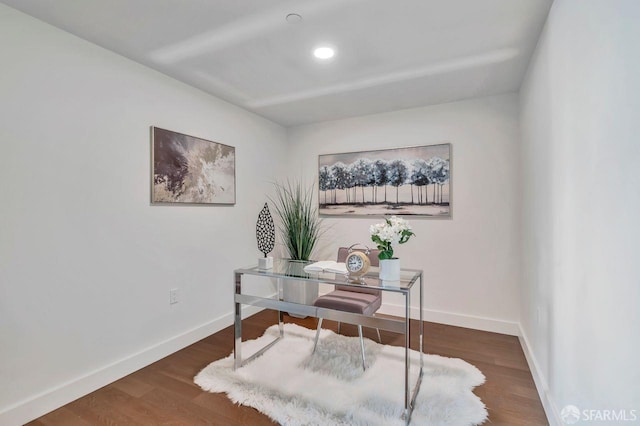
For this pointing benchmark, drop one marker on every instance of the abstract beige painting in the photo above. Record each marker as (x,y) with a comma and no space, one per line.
(190,170)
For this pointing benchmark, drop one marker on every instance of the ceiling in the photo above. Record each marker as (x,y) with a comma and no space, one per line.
(390,55)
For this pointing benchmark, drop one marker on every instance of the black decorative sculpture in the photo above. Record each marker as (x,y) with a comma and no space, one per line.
(265,231)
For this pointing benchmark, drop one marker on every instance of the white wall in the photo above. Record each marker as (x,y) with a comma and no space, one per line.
(86,263)
(471,261)
(581,203)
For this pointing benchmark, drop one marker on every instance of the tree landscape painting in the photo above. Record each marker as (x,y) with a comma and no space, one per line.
(186,169)
(402,181)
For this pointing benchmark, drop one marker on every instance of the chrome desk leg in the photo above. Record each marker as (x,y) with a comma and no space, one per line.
(416,389)
(237,329)
(407,394)
(421,328)
(364,367)
(280,296)
(317,334)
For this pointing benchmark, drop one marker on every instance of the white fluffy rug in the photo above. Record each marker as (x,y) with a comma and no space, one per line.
(294,387)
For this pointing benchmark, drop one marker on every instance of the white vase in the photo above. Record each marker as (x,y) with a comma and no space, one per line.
(390,269)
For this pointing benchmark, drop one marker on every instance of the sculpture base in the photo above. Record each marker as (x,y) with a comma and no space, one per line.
(265,262)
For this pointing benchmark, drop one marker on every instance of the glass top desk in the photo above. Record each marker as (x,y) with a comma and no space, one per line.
(294,270)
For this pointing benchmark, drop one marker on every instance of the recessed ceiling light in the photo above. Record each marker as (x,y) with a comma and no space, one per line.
(324,52)
(293,18)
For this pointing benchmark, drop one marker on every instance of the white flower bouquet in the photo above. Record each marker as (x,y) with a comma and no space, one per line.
(393,230)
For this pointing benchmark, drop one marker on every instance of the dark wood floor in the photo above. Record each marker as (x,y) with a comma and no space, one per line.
(164,392)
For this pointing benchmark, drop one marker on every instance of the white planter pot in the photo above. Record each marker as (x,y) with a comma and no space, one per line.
(390,269)
(301,292)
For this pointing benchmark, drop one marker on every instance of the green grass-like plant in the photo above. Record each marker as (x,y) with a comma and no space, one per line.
(300,226)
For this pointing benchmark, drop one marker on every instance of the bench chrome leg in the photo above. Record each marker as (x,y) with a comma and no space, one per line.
(317,334)
(362,346)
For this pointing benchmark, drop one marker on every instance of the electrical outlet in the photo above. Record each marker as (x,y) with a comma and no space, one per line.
(173,296)
(540,315)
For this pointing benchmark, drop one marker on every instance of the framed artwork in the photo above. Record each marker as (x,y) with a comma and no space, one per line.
(401,181)
(189,170)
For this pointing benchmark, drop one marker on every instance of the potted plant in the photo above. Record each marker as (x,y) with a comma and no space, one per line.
(393,230)
(300,230)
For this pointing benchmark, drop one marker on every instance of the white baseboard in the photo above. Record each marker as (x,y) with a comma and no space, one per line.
(550,409)
(51,399)
(458,320)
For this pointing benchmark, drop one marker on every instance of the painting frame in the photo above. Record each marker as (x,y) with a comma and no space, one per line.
(349,182)
(189,170)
